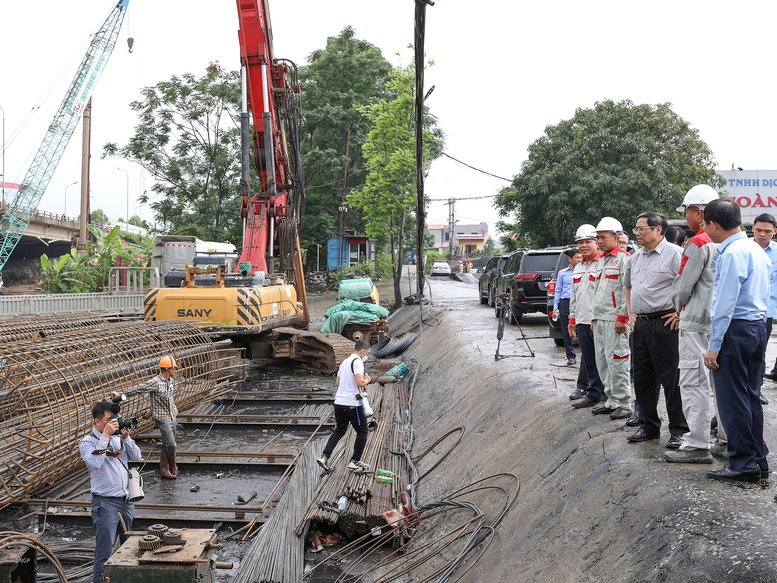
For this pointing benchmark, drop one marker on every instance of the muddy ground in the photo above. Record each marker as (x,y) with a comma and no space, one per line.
(592,506)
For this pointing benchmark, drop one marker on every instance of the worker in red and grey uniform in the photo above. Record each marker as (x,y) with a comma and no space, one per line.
(580,308)
(692,297)
(611,322)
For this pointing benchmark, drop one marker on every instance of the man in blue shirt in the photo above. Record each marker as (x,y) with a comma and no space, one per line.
(764,228)
(740,300)
(106,451)
(561,301)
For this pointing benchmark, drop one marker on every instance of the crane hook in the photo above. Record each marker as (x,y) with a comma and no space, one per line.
(130,42)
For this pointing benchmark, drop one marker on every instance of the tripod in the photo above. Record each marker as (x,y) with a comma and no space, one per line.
(504,305)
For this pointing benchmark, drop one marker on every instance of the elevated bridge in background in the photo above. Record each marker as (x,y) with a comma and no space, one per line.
(48,228)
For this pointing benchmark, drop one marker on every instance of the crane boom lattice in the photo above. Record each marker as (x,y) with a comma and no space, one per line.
(16,220)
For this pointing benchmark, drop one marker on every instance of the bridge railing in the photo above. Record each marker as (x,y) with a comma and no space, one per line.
(132,280)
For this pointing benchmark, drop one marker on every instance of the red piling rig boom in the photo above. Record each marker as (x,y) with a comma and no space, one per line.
(267,86)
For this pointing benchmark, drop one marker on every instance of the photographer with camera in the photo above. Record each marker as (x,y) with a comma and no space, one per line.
(164,413)
(106,452)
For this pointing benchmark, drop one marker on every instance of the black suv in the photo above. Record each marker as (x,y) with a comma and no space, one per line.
(528,286)
(491,272)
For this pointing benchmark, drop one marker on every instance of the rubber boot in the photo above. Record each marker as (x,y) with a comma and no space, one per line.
(173,466)
(164,466)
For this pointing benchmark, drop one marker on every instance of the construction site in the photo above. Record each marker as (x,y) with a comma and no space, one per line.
(493,475)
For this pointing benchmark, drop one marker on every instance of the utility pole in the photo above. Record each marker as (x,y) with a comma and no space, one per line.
(451,226)
(86,150)
(420,35)
(343,207)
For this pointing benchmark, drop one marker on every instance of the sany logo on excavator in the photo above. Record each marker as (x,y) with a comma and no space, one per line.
(194,313)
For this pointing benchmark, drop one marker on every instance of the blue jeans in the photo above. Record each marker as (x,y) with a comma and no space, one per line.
(167,428)
(105,518)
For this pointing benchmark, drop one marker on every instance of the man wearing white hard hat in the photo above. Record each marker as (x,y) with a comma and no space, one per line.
(580,309)
(610,322)
(692,296)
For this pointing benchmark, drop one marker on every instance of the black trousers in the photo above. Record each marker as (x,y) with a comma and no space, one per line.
(585,338)
(738,391)
(768,334)
(656,359)
(582,375)
(354,416)
(563,316)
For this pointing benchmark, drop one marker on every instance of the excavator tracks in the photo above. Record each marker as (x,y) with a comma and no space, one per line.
(312,351)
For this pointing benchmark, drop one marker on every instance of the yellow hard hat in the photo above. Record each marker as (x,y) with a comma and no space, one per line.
(168,362)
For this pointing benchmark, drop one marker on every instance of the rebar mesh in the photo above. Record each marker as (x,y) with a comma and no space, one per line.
(49,385)
(16,329)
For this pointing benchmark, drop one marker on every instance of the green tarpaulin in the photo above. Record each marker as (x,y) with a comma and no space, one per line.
(355,289)
(351,312)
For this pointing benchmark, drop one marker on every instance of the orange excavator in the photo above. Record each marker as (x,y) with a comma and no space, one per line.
(263,305)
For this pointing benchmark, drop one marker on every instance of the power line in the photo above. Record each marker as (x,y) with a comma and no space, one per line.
(476,169)
(467,198)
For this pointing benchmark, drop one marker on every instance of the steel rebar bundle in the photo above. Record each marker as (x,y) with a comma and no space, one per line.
(49,385)
(277,554)
(368,498)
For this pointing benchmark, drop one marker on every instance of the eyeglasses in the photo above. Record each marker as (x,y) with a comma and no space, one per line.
(638,230)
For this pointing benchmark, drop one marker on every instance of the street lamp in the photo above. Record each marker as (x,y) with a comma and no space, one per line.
(68,186)
(126,219)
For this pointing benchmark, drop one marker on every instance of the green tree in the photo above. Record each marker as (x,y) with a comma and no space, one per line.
(336,84)
(188,137)
(489,248)
(77,272)
(389,196)
(138,222)
(99,218)
(614,159)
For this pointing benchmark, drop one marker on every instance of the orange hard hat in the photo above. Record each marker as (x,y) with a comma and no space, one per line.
(168,362)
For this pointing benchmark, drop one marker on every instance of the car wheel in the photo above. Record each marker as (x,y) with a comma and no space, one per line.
(515,315)
(483,299)
(558,341)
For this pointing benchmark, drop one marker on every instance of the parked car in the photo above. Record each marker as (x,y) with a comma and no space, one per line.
(554,326)
(440,267)
(528,287)
(486,281)
(501,284)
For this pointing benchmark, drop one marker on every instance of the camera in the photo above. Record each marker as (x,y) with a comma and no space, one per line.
(124,422)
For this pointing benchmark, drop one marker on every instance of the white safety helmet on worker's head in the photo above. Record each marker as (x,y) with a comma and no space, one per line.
(585,232)
(698,196)
(609,224)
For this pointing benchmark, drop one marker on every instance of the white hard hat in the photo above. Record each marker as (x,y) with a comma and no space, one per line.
(698,196)
(585,232)
(609,224)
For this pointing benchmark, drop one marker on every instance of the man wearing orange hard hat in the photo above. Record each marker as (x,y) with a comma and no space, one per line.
(164,413)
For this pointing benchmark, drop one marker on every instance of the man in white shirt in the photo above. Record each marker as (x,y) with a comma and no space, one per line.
(348,408)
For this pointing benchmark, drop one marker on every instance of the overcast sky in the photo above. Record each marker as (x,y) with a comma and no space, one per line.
(504,70)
